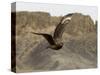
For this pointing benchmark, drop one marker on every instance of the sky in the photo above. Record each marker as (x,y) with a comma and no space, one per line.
(58,9)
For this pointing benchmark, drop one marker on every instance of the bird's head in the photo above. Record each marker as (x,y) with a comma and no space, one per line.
(56,47)
(60,45)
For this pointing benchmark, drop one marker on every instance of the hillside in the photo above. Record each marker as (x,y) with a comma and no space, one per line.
(80,43)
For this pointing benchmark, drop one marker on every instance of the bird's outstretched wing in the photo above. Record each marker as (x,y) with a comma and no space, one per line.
(61,27)
(47,37)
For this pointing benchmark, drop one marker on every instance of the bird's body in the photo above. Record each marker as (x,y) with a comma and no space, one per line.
(56,40)
(56,46)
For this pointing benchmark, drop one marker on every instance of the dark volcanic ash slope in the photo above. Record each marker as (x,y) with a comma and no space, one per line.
(79,50)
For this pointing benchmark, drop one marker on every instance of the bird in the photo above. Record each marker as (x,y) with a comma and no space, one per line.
(55,41)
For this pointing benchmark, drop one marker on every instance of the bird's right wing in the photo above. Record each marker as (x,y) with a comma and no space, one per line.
(47,37)
(61,27)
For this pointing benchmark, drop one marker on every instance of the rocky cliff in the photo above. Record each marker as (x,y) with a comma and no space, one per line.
(80,43)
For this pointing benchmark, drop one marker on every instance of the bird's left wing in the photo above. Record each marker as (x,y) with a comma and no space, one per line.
(48,37)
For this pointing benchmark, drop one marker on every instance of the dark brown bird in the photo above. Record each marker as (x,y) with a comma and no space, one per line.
(56,40)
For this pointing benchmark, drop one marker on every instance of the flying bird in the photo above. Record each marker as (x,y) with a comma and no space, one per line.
(55,41)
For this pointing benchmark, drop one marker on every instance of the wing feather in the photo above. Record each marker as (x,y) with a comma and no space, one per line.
(61,27)
(48,37)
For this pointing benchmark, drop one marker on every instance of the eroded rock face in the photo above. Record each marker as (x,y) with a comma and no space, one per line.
(79,50)
(80,24)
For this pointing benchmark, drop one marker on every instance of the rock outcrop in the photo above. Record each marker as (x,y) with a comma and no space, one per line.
(80,43)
